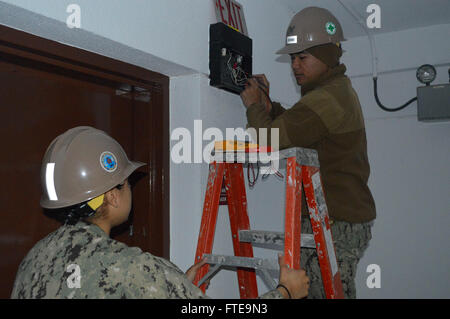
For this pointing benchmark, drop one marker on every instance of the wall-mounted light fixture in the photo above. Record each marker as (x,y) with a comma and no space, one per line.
(426,74)
(433,101)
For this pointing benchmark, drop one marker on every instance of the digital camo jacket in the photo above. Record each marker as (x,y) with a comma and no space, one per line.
(81,261)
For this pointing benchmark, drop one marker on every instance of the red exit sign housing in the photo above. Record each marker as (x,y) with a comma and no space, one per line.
(231,13)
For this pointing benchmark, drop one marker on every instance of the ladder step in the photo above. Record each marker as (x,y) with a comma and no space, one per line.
(303,156)
(244,262)
(273,239)
(262,267)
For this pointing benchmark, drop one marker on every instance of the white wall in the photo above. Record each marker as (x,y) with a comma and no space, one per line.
(410,177)
(410,174)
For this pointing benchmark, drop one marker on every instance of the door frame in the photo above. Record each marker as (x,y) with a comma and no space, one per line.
(23,48)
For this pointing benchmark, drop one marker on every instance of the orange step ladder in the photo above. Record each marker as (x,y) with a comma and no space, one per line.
(302,169)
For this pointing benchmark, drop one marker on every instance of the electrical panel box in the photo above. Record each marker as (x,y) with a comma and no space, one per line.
(230,58)
(433,103)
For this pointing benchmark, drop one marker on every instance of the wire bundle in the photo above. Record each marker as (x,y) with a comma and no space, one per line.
(238,75)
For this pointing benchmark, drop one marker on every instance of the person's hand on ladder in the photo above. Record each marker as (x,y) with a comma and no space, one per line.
(294,284)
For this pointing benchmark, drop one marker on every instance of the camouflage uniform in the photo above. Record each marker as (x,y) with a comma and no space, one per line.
(350,241)
(107,269)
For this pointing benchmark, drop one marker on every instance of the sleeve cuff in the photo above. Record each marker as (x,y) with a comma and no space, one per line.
(255,107)
(273,294)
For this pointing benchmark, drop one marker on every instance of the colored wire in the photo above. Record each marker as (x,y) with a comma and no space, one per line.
(375,90)
(252,182)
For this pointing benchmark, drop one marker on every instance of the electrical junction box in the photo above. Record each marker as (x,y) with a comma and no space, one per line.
(433,103)
(230,58)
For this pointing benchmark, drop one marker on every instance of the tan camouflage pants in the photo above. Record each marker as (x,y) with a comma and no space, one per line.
(350,241)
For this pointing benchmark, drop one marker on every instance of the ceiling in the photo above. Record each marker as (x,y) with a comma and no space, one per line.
(396,15)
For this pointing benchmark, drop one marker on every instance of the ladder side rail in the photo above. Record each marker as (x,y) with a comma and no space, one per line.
(239,220)
(209,218)
(293,213)
(318,213)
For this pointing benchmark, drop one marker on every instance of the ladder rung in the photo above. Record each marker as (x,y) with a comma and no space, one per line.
(244,262)
(273,239)
(255,263)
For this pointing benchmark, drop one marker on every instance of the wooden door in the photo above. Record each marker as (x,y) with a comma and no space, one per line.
(41,98)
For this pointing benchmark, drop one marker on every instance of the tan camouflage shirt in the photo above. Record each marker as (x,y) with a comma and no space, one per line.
(81,261)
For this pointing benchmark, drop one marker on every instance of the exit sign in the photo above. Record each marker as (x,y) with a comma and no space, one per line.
(232,14)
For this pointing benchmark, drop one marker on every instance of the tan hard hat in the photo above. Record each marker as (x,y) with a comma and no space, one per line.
(81,164)
(311,27)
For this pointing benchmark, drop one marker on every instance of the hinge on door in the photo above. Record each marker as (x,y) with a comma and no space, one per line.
(133,92)
(131,231)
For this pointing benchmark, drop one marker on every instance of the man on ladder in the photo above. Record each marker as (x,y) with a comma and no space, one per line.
(328,118)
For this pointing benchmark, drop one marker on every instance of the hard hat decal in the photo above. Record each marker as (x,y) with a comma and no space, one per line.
(291,40)
(108,162)
(331,28)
